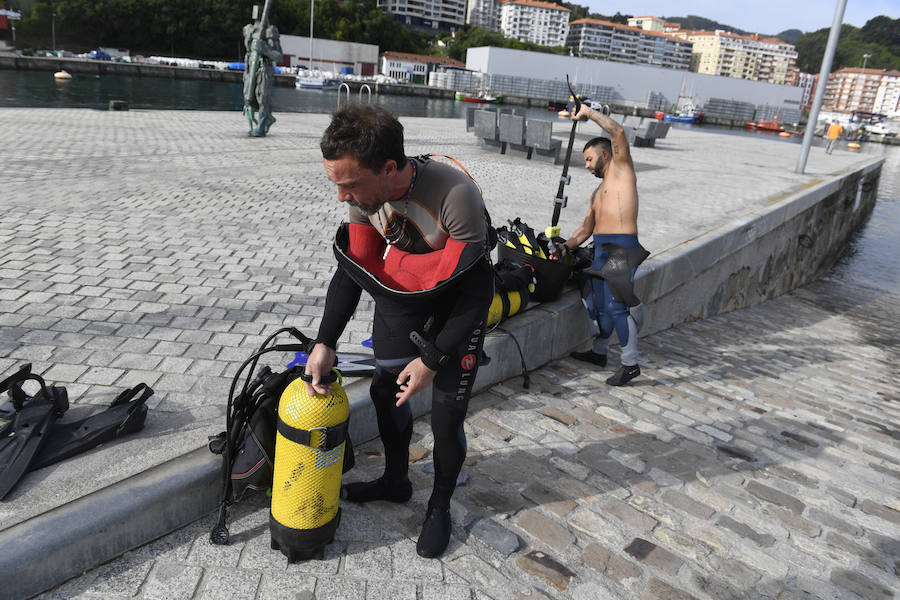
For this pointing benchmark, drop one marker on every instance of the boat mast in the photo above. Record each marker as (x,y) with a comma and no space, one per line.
(312,11)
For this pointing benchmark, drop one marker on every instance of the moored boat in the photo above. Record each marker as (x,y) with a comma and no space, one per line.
(689,115)
(765,125)
(479,98)
(316,83)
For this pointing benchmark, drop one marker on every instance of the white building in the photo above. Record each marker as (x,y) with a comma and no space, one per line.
(852,88)
(428,16)
(623,43)
(648,23)
(413,68)
(741,56)
(806,82)
(484,13)
(329,55)
(534,21)
(633,83)
(887,99)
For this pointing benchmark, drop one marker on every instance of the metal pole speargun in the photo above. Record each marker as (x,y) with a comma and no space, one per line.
(560,201)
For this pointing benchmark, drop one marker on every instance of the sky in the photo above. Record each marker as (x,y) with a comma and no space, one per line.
(757,16)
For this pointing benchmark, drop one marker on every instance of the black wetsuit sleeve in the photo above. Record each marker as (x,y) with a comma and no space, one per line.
(340,304)
(473,298)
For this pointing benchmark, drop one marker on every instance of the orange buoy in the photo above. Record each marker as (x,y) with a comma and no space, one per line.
(853,146)
(62,74)
(563,114)
(784,134)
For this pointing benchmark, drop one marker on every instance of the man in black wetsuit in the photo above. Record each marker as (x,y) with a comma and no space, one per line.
(416,241)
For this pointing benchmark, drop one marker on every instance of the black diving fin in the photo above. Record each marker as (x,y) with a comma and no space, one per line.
(28,431)
(125,415)
(617,271)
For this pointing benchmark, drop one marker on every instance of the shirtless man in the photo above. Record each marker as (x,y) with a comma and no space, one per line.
(612,221)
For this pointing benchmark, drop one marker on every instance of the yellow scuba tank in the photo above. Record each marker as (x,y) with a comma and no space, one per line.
(306,485)
(513,285)
(495,312)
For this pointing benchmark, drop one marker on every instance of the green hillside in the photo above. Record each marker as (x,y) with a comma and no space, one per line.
(879,38)
(203,28)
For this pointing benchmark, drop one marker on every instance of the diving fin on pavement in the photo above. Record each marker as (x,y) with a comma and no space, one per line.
(30,427)
(126,414)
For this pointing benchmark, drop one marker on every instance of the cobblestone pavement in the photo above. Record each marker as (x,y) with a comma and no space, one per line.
(757,457)
(161,246)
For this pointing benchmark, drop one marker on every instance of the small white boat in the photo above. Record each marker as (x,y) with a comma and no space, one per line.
(62,74)
(316,83)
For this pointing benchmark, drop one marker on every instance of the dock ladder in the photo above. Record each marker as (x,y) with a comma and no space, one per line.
(364,87)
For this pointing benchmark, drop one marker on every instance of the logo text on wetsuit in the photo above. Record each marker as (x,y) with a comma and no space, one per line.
(468,362)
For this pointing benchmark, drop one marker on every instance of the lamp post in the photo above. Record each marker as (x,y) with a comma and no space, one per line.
(830,48)
(866,58)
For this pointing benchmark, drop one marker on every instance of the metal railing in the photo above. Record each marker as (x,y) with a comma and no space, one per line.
(363,88)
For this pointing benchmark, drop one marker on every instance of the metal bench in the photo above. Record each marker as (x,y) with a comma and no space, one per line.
(662,129)
(646,135)
(512,136)
(470,117)
(486,129)
(539,137)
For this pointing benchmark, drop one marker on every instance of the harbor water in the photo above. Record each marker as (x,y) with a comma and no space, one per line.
(41,89)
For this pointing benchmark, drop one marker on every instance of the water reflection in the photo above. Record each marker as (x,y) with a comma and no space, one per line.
(40,89)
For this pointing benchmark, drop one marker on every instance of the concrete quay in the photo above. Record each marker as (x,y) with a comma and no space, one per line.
(756,458)
(163,247)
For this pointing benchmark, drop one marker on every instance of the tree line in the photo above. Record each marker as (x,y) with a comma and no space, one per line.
(879,38)
(211,29)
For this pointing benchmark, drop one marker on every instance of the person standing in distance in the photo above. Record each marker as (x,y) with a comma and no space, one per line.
(417,242)
(833,135)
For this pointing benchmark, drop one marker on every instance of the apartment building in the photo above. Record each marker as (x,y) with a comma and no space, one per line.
(648,23)
(534,21)
(806,82)
(427,16)
(742,56)
(887,99)
(413,68)
(623,43)
(484,13)
(853,89)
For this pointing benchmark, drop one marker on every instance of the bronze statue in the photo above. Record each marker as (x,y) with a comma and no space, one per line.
(263,51)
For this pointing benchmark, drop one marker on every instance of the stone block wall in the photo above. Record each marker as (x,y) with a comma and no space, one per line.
(768,254)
